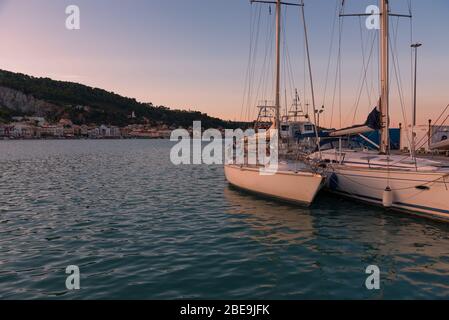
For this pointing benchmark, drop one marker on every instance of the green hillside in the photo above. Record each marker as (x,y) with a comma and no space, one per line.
(103,107)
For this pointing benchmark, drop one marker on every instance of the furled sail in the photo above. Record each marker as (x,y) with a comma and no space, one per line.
(373,123)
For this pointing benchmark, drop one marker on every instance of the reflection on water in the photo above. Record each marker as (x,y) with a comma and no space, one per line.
(345,237)
(276,221)
(139,227)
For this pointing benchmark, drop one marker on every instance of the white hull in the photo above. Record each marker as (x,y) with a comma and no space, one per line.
(423,192)
(299,187)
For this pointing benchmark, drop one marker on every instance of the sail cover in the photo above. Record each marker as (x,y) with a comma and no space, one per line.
(373,123)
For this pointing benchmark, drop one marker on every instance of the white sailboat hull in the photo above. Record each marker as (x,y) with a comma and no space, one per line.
(421,193)
(442,145)
(298,187)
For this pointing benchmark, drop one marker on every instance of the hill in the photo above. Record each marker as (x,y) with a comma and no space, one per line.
(26,95)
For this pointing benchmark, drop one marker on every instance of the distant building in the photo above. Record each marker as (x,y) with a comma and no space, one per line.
(440,134)
(40,121)
(5,130)
(425,136)
(109,132)
(51,131)
(84,131)
(94,133)
(66,122)
(105,131)
(69,132)
(23,130)
(115,132)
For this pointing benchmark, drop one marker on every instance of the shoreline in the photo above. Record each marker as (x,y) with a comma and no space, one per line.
(62,139)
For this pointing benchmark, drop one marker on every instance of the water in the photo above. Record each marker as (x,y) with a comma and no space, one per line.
(139,227)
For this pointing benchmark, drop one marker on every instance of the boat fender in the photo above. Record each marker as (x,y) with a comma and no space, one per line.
(388,198)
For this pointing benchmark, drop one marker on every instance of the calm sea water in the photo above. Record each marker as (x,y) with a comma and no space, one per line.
(139,227)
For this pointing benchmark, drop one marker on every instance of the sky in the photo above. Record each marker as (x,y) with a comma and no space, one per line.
(193,54)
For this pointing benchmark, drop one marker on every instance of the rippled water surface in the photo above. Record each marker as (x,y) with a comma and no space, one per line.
(139,227)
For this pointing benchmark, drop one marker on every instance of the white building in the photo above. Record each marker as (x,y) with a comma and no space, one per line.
(425,135)
(22,130)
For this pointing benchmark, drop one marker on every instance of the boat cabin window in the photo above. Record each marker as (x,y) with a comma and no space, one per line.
(308,128)
(346,144)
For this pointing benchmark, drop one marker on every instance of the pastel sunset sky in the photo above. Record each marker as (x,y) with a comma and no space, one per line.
(193,54)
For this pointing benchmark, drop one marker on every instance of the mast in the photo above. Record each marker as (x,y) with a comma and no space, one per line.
(384,68)
(384,80)
(279,4)
(317,125)
(278,64)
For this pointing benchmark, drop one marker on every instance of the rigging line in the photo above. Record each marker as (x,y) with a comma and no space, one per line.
(360,88)
(265,75)
(330,52)
(364,73)
(288,74)
(311,78)
(441,115)
(284,58)
(411,53)
(340,88)
(398,76)
(253,61)
(304,68)
(438,119)
(267,48)
(338,70)
(289,66)
(364,80)
(401,98)
(368,93)
(250,105)
(250,55)
(421,143)
(269,71)
(249,62)
(374,68)
(423,140)
(284,65)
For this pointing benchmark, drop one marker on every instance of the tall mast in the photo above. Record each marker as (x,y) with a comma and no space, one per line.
(278,63)
(279,4)
(384,80)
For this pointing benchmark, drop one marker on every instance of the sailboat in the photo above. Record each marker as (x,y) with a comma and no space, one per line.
(293,181)
(406,183)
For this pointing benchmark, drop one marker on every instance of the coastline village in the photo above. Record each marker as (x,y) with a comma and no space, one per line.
(39,128)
